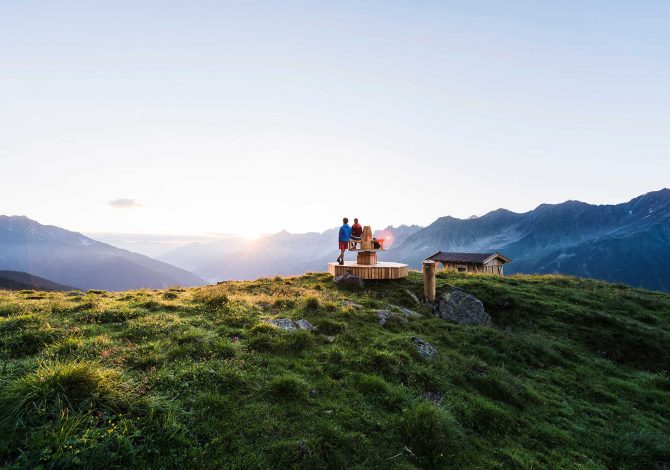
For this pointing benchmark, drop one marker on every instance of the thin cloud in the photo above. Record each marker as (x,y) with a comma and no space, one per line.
(125,204)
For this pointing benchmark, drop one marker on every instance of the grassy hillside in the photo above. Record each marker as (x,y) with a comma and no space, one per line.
(574,374)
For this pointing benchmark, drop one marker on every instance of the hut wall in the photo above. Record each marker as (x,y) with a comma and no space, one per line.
(469,267)
(495,266)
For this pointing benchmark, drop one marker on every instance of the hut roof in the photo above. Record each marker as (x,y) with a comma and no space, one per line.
(479,258)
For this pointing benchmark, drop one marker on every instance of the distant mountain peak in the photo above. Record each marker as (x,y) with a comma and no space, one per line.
(570,203)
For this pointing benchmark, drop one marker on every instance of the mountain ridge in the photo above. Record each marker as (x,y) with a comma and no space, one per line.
(543,239)
(73,259)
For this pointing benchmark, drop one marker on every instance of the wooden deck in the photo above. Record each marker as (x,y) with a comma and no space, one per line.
(381,270)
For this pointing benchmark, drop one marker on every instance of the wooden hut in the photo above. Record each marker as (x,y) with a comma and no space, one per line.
(491,263)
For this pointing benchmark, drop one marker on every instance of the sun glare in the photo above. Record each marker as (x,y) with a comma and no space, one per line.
(387,236)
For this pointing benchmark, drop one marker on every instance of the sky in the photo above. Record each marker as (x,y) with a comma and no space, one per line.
(213,117)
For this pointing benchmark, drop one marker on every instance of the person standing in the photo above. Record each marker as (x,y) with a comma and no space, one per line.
(356,232)
(343,239)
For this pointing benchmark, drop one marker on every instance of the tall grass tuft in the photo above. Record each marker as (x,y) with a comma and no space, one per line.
(75,385)
(287,386)
(311,303)
(433,434)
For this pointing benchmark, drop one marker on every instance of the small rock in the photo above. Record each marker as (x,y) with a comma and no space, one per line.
(406,311)
(348,280)
(284,323)
(303,324)
(302,446)
(458,306)
(330,339)
(435,397)
(413,296)
(351,304)
(385,315)
(424,348)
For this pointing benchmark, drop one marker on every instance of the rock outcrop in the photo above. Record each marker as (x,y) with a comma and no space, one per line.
(424,348)
(289,325)
(348,280)
(458,306)
(386,315)
(396,312)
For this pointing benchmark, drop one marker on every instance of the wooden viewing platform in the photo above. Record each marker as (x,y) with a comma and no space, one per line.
(366,265)
(381,270)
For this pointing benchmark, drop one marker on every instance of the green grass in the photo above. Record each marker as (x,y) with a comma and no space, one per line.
(573,374)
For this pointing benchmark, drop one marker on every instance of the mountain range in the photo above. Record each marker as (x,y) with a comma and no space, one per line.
(72,259)
(628,242)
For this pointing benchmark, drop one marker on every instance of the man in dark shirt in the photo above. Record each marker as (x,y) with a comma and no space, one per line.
(343,239)
(356,232)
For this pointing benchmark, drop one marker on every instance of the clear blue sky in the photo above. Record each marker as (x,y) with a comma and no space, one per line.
(251,117)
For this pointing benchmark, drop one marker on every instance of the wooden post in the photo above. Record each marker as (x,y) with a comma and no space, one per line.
(366,238)
(429,280)
(366,257)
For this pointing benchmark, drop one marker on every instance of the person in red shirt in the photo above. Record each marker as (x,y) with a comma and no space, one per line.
(356,232)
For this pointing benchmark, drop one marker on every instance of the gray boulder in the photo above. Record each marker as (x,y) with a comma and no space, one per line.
(348,280)
(303,324)
(386,315)
(458,306)
(290,325)
(424,348)
(398,313)
(283,323)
